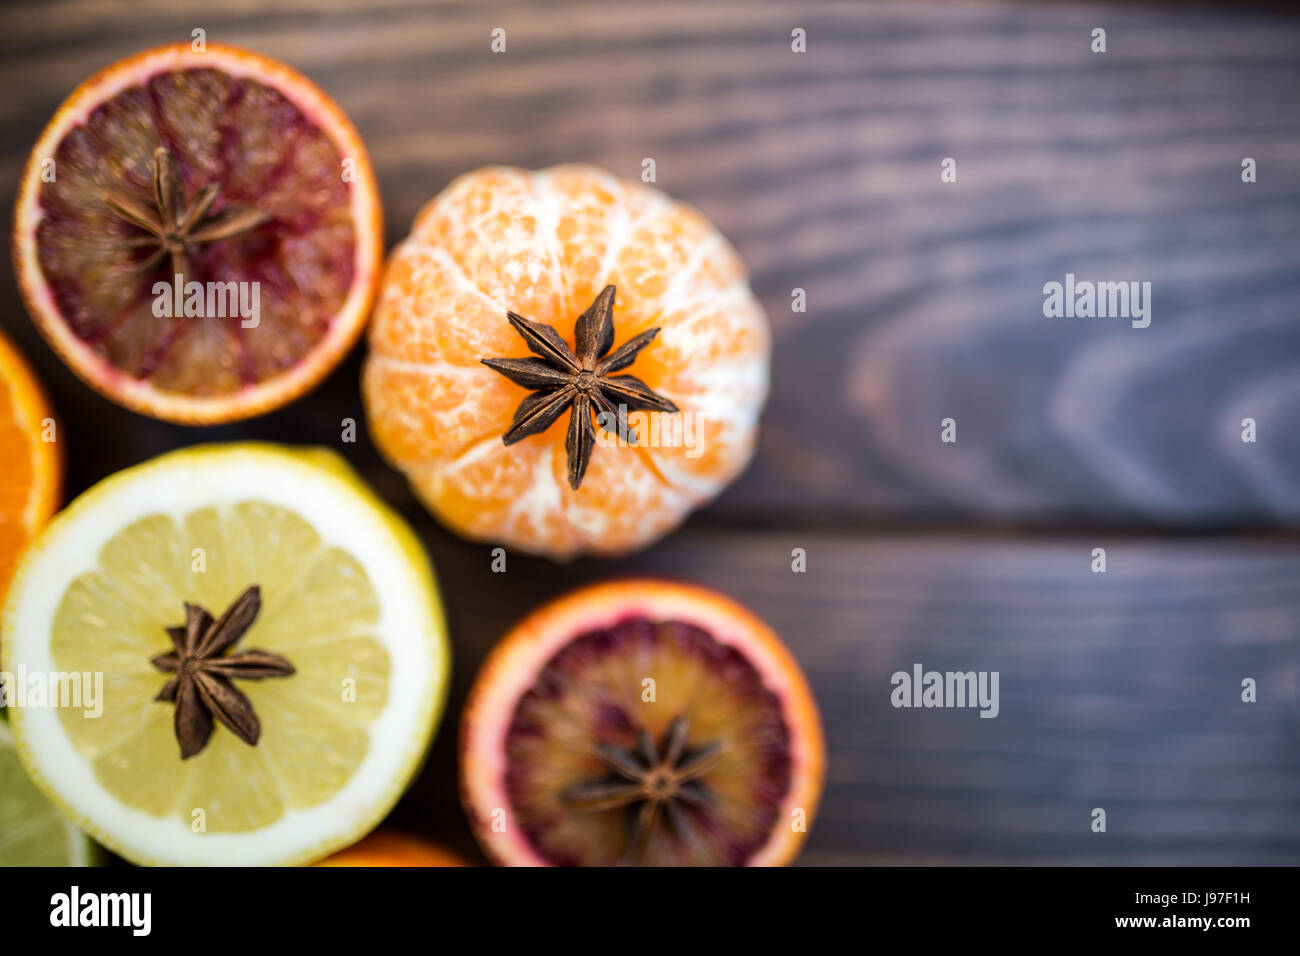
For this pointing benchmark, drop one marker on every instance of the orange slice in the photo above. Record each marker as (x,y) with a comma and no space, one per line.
(641,722)
(31,468)
(231,170)
(389,848)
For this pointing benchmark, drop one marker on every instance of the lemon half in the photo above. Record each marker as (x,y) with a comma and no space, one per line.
(348,597)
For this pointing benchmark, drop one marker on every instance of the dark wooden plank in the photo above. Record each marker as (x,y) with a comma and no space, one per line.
(924,299)
(1118,690)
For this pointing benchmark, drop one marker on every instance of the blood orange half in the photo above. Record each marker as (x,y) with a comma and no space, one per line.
(646,723)
(231,170)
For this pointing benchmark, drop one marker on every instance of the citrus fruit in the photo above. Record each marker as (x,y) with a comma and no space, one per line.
(231,170)
(272,652)
(390,848)
(641,722)
(648,367)
(30,465)
(34,833)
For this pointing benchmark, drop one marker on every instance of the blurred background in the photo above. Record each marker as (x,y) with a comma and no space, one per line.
(924,301)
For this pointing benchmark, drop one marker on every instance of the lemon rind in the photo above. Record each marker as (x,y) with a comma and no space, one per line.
(306,463)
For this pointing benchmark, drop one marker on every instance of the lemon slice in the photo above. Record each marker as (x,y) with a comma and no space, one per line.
(347,597)
(34,833)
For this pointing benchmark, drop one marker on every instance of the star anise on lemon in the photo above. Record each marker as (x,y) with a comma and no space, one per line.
(580,380)
(202,688)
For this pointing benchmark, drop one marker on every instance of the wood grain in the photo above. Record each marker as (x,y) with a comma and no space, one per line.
(1119,690)
(924,298)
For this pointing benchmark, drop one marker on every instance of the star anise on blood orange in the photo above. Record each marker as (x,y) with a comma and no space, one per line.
(172,226)
(660,780)
(641,722)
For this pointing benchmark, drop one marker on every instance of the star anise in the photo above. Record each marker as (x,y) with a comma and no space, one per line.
(171,225)
(583,380)
(202,688)
(659,781)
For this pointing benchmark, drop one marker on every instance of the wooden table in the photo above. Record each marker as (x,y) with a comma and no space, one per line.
(1118,690)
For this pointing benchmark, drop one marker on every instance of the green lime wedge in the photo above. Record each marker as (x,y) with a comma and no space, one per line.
(34,834)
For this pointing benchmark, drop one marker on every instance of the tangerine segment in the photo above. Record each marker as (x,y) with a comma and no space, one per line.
(673,258)
(709,360)
(595,217)
(501,238)
(599,667)
(491,486)
(428,312)
(30,464)
(277,304)
(624,500)
(420,413)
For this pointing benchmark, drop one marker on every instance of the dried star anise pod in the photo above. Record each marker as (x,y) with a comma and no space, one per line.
(170,224)
(581,380)
(660,781)
(202,688)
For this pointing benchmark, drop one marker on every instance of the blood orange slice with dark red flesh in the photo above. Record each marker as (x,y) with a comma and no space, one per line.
(235,172)
(641,723)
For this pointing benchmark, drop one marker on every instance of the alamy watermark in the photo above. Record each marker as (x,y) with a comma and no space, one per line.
(922,688)
(218,300)
(1102,300)
(69,690)
(680,430)
(133,911)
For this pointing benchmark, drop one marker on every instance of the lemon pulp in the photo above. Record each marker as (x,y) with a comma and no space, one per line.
(319,610)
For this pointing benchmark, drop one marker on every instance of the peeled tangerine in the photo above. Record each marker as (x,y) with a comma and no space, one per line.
(627,360)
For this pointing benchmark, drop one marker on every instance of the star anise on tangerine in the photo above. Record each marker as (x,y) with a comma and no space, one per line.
(580,380)
(659,782)
(202,688)
(171,225)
